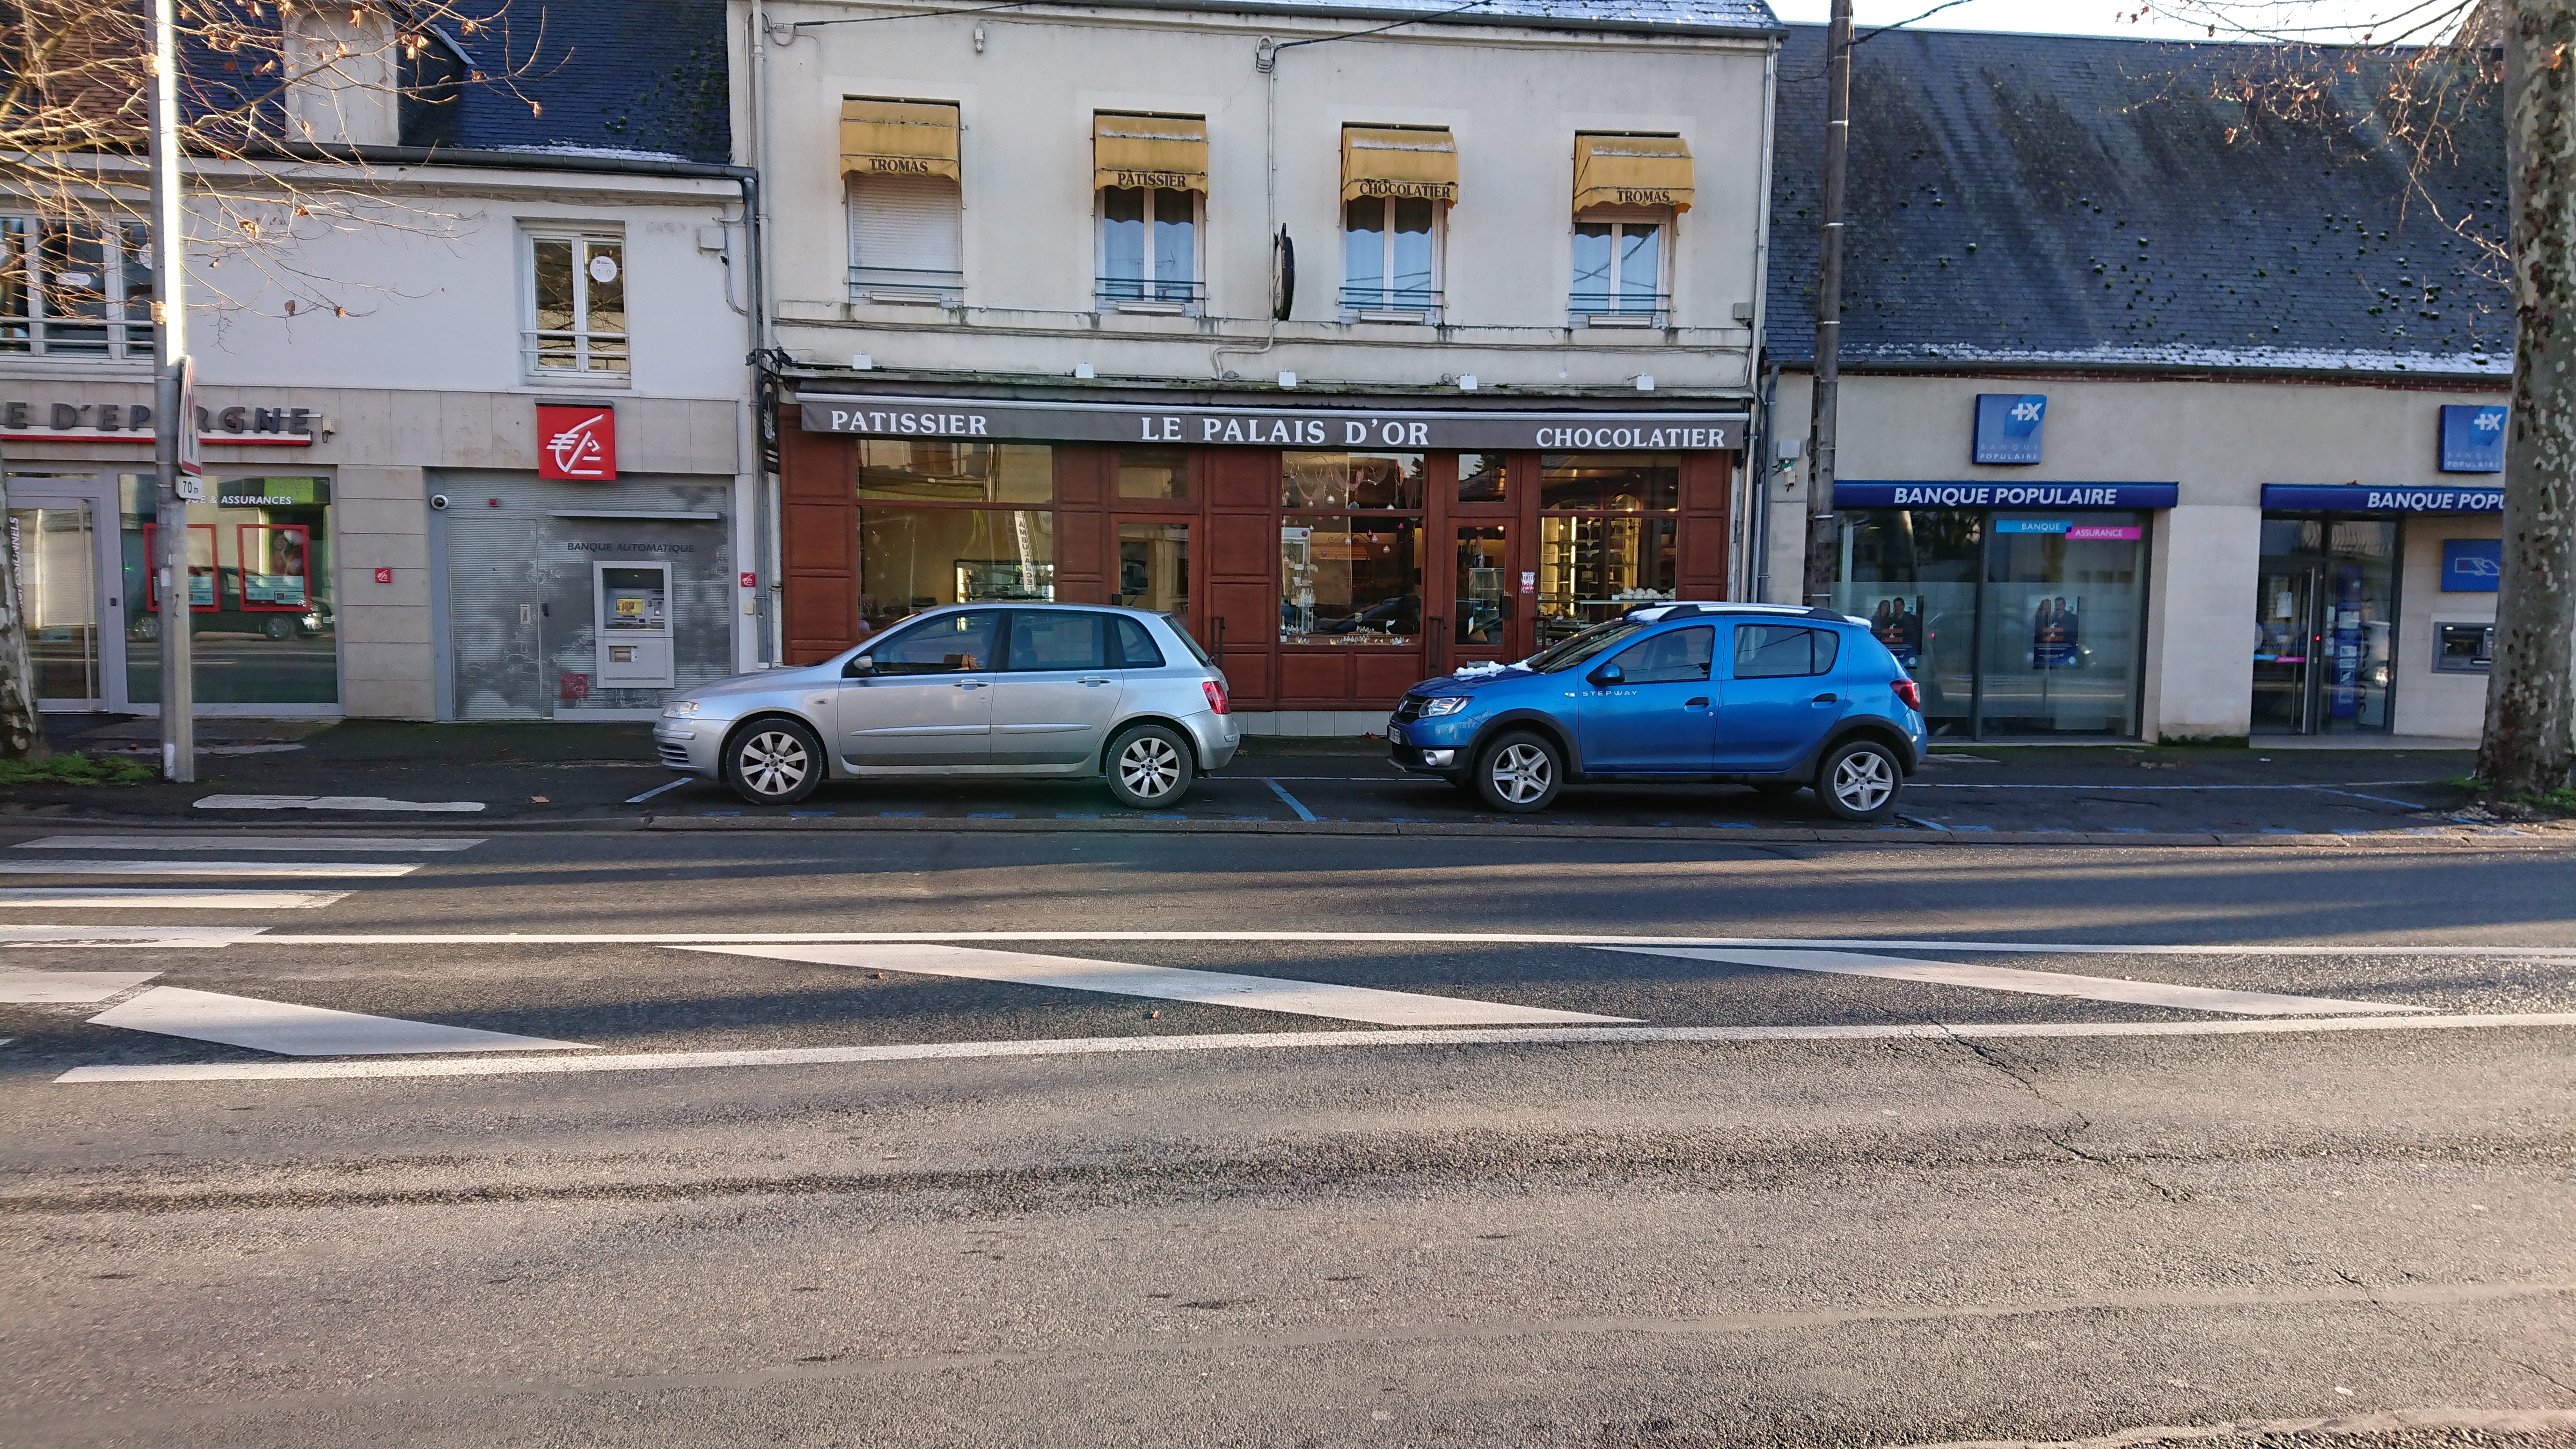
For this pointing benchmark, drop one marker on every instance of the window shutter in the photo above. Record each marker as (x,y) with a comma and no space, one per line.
(905,234)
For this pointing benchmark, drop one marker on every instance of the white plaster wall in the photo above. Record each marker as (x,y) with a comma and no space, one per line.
(2220,441)
(2450,706)
(1513,99)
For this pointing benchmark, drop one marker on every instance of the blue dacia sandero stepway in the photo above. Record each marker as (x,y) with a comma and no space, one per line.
(1767,695)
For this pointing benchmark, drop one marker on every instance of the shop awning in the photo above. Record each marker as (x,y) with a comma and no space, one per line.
(1169,152)
(1393,161)
(1632,171)
(898,138)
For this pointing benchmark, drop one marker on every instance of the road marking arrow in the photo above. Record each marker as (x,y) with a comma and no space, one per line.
(304,1031)
(2034,983)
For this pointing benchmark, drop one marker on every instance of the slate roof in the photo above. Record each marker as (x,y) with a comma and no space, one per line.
(2043,200)
(623,77)
(1691,16)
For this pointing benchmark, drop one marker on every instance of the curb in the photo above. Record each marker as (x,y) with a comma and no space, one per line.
(1886,835)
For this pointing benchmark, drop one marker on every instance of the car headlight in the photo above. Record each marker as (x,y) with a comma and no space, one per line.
(1447,704)
(680,709)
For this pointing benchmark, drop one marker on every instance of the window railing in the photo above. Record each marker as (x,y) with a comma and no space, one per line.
(1391,304)
(1132,294)
(1621,308)
(68,337)
(573,354)
(907,284)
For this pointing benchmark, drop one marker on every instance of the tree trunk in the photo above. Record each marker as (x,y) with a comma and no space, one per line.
(22,735)
(2530,742)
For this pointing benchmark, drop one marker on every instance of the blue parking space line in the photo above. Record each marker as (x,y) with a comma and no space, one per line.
(1162,817)
(1003,815)
(1248,817)
(809,814)
(1077,817)
(1405,820)
(1734,824)
(704,813)
(2129,830)
(2355,832)
(1291,801)
(1988,829)
(900,814)
(2281,830)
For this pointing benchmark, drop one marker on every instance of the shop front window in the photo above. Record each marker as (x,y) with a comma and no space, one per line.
(1484,608)
(1154,568)
(911,559)
(1350,555)
(259,592)
(2062,624)
(1913,574)
(1606,536)
(903,471)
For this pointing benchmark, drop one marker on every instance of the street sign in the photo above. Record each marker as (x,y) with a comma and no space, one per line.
(192,458)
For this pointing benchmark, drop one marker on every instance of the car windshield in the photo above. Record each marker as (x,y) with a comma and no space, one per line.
(1567,653)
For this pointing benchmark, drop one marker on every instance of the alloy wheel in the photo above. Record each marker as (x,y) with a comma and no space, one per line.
(1520,772)
(1149,767)
(774,762)
(1863,781)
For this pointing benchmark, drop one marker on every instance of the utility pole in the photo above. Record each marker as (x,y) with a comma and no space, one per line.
(1818,588)
(171,397)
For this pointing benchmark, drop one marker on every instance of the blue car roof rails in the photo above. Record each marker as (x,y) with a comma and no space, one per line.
(1683,610)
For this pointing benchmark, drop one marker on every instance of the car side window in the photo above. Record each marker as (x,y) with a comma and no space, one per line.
(950,644)
(1053,639)
(1678,657)
(1136,647)
(1780,651)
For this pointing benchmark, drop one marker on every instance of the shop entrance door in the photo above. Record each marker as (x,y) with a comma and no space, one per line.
(62,532)
(2285,644)
(1478,622)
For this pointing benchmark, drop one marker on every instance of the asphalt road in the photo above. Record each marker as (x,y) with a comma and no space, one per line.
(1096,1138)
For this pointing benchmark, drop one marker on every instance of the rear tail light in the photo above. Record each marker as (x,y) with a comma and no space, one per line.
(1910,692)
(1216,697)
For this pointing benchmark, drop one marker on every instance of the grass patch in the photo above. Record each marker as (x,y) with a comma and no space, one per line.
(74,770)
(2561,801)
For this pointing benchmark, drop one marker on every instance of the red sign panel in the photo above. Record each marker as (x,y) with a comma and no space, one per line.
(577,443)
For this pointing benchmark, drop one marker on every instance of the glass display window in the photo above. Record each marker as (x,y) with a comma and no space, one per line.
(1483,478)
(911,559)
(902,470)
(1913,573)
(1483,584)
(1154,473)
(1350,581)
(1335,481)
(259,591)
(2325,625)
(2064,623)
(1591,569)
(1609,482)
(1154,568)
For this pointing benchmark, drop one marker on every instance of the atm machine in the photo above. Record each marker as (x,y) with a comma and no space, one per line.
(634,625)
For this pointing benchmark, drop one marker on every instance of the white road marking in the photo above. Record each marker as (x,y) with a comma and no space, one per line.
(304,1031)
(171,898)
(1255,1040)
(2034,983)
(34,937)
(329,802)
(226,841)
(1494,938)
(1170,983)
(658,789)
(57,988)
(298,868)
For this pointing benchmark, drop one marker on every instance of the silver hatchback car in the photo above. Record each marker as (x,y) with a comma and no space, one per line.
(992,689)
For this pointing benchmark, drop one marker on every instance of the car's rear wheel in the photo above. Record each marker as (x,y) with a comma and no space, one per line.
(1150,767)
(1520,772)
(1860,781)
(773,762)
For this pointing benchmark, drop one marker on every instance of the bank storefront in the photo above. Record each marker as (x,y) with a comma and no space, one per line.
(1330,556)
(2020,609)
(2375,609)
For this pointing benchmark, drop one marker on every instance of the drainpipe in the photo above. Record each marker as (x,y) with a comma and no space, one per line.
(1762,489)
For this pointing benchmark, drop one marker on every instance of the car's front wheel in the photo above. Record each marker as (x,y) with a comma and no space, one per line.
(1150,767)
(1520,772)
(1860,781)
(774,762)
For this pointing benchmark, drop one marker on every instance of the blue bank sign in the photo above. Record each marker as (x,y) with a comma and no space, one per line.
(2004,495)
(2473,439)
(2008,426)
(2472,565)
(2355,498)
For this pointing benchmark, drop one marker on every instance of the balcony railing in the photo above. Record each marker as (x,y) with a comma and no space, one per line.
(1132,294)
(573,354)
(1620,309)
(1391,304)
(908,285)
(75,339)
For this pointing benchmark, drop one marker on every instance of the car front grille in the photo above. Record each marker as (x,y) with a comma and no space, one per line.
(1409,708)
(675,756)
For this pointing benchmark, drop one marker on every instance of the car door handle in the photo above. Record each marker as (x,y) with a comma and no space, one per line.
(1095,681)
(1699,703)
(1822,699)
(970,684)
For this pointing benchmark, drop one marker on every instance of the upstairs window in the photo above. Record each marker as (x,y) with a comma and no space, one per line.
(1628,193)
(1398,183)
(576,323)
(907,227)
(1151,172)
(78,290)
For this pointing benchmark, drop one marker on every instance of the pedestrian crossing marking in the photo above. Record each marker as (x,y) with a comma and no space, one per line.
(297,869)
(304,1031)
(2034,983)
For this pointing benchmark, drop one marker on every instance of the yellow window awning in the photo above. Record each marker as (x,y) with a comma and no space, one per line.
(1149,151)
(1394,161)
(1632,171)
(898,138)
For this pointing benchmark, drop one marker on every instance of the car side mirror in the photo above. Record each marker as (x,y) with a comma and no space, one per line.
(1608,674)
(859,667)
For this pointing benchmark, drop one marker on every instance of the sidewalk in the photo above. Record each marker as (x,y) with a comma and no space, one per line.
(604,776)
